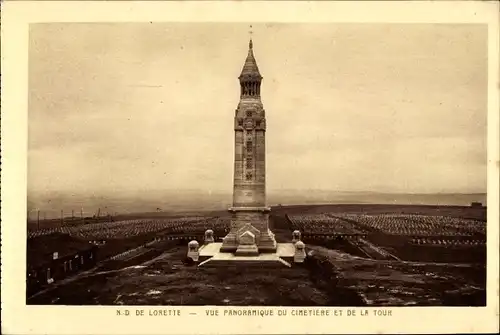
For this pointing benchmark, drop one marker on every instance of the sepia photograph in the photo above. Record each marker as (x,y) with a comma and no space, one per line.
(257,164)
(208,167)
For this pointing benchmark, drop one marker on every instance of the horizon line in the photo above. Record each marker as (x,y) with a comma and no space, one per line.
(203,191)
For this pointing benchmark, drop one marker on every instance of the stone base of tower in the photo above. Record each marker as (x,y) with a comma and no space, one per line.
(249,232)
(267,243)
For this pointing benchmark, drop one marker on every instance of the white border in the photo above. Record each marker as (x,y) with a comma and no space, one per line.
(17,318)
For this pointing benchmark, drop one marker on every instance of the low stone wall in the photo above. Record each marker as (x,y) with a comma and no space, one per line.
(128,252)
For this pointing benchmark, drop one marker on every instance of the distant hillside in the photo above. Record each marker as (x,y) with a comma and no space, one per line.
(51,205)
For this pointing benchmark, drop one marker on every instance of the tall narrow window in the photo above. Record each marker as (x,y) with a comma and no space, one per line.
(249,163)
(249,175)
(249,146)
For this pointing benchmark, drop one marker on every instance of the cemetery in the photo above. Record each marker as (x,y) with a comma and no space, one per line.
(326,272)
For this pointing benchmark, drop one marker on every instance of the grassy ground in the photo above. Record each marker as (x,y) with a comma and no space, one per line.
(169,281)
(400,283)
(328,278)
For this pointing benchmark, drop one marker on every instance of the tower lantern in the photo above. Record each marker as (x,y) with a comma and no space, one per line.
(250,78)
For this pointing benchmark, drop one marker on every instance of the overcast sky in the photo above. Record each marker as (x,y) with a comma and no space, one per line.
(131,107)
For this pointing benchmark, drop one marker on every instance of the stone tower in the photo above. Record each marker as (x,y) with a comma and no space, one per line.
(249,234)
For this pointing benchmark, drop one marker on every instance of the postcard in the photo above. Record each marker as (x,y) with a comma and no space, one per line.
(249,167)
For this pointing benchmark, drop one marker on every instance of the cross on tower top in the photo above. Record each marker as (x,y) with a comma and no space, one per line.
(250,32)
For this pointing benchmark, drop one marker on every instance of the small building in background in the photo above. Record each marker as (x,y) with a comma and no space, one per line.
(54,257)
(476,204)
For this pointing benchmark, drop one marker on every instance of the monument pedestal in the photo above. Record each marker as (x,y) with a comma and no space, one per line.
(247,254)
(249,232)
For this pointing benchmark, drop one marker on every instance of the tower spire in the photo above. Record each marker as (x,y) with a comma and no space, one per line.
(250,68)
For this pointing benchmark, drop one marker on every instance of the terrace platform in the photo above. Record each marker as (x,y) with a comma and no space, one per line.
(210,255)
